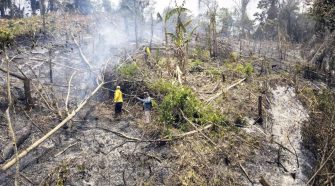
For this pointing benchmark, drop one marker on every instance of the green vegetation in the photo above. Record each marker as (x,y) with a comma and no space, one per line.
(319,132)
(244,69)
(248,69)
(197,66)
(179,100)
(234,57)
(128,70)
(215,72)
(201,54)
(181,37)
(5,38)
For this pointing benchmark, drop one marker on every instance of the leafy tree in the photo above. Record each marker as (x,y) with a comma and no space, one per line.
(324,14)
(268,17)
(226,21)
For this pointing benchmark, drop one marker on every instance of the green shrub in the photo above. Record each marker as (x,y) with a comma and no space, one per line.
(239,68)
(215,72)
(179,99)
(201,53)
(162,87)
(128,70)
(248,69)
(197,62)
(233,57)
(197,66)
(5,38)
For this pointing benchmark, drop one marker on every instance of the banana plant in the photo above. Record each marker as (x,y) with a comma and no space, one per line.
(181,37)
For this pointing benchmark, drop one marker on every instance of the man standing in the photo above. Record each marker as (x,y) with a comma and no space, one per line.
(147,106)
(147,54)
(118,100)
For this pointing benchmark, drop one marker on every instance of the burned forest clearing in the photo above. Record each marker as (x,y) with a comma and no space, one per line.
(106,93)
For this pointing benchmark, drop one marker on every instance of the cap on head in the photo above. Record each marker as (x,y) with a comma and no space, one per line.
(118,87)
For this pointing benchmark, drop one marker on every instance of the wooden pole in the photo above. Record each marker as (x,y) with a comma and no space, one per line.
(260,114)
(46,136)
(50,66)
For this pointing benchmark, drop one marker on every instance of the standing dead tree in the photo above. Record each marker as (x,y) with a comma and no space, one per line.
(10,126)
(212,7)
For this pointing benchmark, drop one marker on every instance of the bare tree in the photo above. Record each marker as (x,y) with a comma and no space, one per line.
(211,12)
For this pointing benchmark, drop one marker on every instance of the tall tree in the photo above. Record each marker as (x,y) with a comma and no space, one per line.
(211,12)
(52,5)
(323,12)
(244,17)
(135,9)
(107,5)
(268,17)
(33,5)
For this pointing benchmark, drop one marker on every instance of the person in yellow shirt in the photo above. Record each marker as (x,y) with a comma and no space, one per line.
(118,100)
(147,53)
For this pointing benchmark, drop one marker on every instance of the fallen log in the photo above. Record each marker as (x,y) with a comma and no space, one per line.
(263,182)
(225,90)
(46,136)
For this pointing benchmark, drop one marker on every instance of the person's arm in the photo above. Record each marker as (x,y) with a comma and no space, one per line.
(142,100)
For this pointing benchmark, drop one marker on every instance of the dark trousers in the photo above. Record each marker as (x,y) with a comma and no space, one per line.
(118,109)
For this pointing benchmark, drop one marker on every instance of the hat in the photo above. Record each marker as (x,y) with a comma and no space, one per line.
(118,87)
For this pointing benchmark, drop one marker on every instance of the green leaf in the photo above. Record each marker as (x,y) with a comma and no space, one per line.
(174,11)
(174,37)
(187,23)
(189,37)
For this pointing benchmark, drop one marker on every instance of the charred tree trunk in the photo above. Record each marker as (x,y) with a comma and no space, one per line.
(213,36)
(52,6)
(260,113)
(2,9)
(43,11)
(27,93)
(50,67)
(12,9)
(33,6)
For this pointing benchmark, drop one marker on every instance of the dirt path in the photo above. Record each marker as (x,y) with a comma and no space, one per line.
(288,114)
